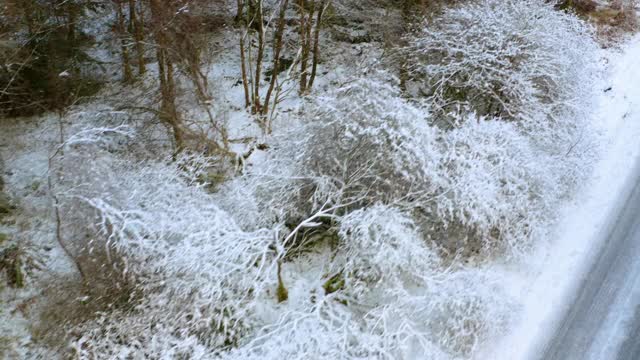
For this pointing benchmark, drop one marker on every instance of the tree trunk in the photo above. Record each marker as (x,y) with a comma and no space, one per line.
(173,117)
(243,68)
(72,17)
(277,48)
(316,44)
(257,108)
(169,111)
(304,44)
(28,10)
(239,11)
(136,28)
(127,74)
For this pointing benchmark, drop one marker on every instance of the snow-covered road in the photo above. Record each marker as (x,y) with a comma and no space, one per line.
(601,317)
(602,321)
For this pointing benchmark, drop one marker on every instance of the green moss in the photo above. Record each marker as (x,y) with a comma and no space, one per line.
(281,292)
(334,284)
(3,238)
(312,239)
(35,185)
(6,206)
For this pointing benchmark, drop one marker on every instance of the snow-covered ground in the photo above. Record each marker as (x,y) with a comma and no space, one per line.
(586,221)
(25,146)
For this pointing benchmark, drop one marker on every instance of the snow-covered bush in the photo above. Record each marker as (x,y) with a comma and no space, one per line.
(198,271)
(517,60)
(358,144)
(384,294)
(474,189)
(496,192)
(521,61)
(359,211)
(381,245)
(344,239)
(205,285)
(152,224)
(481,188)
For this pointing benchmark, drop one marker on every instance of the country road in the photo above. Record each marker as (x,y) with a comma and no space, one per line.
(602,319)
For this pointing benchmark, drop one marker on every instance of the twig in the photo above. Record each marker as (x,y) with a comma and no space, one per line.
(56,207)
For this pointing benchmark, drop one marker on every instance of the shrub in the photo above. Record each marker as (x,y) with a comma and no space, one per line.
(357,145)
(503,59)
(195,273)
(481,187)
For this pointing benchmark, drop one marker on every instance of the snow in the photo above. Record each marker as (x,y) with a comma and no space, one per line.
(584,222)
(195,252)
(25,167)
(616,328)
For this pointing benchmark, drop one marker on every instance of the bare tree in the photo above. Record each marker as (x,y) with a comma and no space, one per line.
(180,45)
(258,25)
(310,40)
(161,15)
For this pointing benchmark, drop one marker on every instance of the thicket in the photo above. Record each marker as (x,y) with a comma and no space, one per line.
(365,229)
(363,218)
